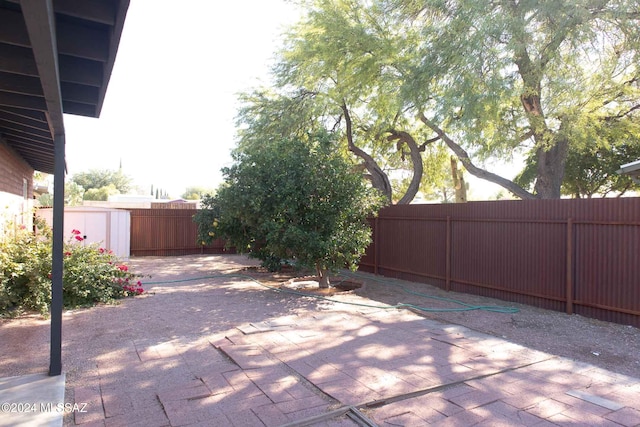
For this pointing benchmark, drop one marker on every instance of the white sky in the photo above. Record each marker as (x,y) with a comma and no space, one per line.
(171,102)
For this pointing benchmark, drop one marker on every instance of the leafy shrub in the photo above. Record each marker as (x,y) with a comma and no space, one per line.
(297,199)
(91,274)
(25,267)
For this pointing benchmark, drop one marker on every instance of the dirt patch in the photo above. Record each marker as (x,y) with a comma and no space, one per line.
(309,285)
(300,281)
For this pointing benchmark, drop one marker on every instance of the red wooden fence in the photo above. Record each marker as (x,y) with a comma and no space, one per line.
(167,232)
(578,256)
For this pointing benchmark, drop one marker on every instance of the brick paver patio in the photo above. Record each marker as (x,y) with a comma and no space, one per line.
(225,351)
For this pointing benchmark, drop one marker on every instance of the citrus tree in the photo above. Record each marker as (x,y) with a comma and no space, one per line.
(294,199)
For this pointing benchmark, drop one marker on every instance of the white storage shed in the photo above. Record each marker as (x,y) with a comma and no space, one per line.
(110,228)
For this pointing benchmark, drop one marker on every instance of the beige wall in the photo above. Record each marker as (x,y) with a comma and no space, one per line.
(16,188)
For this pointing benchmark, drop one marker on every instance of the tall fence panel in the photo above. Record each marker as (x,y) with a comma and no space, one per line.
(578,256)
(168,232)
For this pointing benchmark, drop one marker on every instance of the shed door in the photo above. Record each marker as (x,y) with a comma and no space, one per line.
(96,226)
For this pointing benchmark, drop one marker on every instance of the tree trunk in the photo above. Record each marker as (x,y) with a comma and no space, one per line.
(551,154)
(416,160)
(379,178)
(323,277)
(459,184)
(550,169)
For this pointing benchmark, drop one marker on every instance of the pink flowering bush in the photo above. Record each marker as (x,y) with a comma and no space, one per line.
(25,270)
(91,273)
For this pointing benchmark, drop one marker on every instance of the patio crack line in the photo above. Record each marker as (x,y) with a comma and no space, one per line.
(404,396)
(281,364)
(350,411)
(447,342)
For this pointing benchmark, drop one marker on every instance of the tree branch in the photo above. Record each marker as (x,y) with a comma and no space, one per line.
(625,113)
(473,169)
(379,179)
(416,160)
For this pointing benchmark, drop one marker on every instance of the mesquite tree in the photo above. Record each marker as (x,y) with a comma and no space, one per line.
(488,79)
(540,78)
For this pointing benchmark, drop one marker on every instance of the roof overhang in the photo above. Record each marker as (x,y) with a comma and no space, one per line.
(56,56)
(632,169)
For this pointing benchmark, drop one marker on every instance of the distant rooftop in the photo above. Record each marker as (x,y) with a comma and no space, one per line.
(632,169)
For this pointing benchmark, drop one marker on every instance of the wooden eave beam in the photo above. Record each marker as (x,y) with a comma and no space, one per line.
(26,114)
(24,85)
(98,11)
(72,39)
(25,121)
(83,94)
(78,109)
(23,101)
(20,60)
(17,60)
(81,71)
(28,139)
(21,129)
(40,21)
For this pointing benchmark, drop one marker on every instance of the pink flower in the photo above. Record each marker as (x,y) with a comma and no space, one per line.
(123,268)
(76,232)
(79,238)
(101,250)
(67,253)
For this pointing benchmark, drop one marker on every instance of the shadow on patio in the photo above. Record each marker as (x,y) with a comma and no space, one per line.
(208,348)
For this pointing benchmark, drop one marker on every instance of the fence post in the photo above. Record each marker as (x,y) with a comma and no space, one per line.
(448,256)
(569,276)
(376,244)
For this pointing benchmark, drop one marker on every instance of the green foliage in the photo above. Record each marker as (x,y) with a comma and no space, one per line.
(523,77)
(293,200)
(598,151)
(493,80)
(592,171)
(344,55)
(91,274)
(99,184)
(98,178)
(196,193)
(73,194)
(25,266)
(207,219)
(45,200)
(101,193)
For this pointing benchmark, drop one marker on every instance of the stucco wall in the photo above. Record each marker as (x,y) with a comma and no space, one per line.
(15,205)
